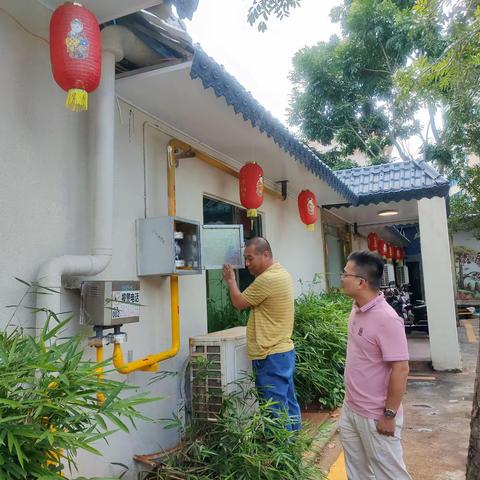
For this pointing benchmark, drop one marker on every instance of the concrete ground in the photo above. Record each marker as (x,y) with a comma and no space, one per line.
(437,414)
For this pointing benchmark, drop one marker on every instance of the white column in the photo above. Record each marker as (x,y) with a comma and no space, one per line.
(438,279)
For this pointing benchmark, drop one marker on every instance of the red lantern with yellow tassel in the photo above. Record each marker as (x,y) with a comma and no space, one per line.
(75,53)
(307,207)
(382,249)
(400,255)
(373,241)
(251,188)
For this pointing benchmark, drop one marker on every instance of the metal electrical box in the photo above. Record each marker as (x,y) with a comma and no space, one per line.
(175,246)
(109,304)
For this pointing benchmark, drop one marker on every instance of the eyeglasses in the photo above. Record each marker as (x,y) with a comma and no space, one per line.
(343,275)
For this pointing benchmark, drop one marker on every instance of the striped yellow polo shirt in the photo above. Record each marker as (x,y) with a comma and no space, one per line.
(270,324)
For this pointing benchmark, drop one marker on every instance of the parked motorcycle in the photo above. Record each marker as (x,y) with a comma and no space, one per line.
(414,315)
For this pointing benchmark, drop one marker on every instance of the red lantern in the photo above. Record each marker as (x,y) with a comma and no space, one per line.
(251,188)
(75,53)
(390,251)
(307,207)
(382,249)
(372,241)
(400,255)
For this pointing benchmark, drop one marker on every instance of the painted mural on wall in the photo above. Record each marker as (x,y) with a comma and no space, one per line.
(467,266)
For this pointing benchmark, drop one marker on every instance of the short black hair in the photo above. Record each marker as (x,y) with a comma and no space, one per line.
(261,245)
(370,266)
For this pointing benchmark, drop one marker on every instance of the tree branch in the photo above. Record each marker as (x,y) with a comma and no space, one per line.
(400,150)
(435,132)
(386,59)
(352,128)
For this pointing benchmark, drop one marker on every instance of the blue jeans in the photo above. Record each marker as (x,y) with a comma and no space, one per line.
(274,380)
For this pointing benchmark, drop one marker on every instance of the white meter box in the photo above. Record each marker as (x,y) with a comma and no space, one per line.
(110,304)
(175,246)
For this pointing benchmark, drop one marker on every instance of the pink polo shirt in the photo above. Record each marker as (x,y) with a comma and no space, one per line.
(376,336)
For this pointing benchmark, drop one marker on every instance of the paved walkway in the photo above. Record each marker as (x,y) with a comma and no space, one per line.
(437,415)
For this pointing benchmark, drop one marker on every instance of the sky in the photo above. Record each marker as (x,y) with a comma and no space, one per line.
(261,62)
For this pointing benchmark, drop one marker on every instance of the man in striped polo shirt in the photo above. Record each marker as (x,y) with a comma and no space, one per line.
(270,325)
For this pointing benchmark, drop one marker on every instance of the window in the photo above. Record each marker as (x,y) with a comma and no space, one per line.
(221,313)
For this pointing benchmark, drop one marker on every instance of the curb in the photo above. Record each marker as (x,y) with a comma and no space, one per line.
(326,432)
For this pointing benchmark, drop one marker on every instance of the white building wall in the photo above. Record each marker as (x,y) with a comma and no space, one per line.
(46,208)
(44,194)
(466,239)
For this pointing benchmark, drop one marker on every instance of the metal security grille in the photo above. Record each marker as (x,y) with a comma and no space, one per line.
(388,275)
(219,363)
(206,381)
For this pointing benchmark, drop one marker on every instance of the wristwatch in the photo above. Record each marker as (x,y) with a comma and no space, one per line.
(387,412)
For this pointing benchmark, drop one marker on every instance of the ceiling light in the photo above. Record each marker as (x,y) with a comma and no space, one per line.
(388,213)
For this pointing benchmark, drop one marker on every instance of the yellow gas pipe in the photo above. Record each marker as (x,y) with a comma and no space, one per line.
(150,363)
(100,396)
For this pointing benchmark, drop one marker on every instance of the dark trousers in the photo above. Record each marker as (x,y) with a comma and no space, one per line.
(274,380)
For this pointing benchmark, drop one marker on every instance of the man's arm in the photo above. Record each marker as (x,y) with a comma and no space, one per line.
(397,386)
(235,295)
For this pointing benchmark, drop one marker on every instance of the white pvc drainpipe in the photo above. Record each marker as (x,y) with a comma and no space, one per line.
(117,42)
(102,112)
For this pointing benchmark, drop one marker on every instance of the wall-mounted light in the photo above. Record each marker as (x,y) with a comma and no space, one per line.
(388,213)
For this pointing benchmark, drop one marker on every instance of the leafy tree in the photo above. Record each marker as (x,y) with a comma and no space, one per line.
(344,90)
(335,159)
(449,82)
(261,10)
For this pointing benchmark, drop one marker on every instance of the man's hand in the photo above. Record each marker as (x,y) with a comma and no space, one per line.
(228,274)
(386,426)
(235,296)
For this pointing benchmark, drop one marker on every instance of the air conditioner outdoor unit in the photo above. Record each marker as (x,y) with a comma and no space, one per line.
(402,275)
(225,355)
(388,275)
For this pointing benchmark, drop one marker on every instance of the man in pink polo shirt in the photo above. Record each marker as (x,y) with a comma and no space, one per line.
(376,373)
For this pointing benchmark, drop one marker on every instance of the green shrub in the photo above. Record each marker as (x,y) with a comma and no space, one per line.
(245,443)
(48,404)
(224,315)
(320,336)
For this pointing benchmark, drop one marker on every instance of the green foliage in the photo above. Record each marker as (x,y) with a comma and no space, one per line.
(244,443)
(335,159)
(320,337)
(448,79)
(223,315)
(48,405)
(394,59)
(464,214)
(344,90)
(261,10)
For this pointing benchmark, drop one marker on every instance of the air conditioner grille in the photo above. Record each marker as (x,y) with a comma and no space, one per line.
(215,366)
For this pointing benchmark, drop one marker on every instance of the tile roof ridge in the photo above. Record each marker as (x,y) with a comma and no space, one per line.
(224,84)
(437,177)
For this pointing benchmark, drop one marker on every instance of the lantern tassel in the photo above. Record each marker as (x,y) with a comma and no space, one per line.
(77,100)
(311,227)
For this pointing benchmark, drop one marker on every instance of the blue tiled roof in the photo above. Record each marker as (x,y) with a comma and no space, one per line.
(225,85)
(394,181)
